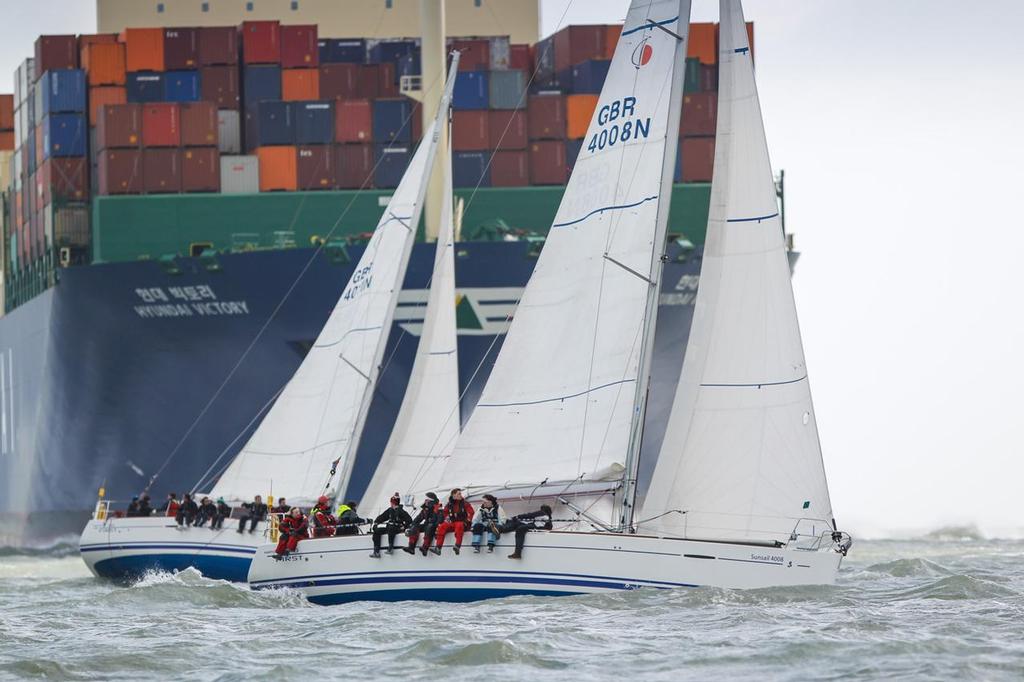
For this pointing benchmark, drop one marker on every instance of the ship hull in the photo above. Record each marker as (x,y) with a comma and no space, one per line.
(339,570)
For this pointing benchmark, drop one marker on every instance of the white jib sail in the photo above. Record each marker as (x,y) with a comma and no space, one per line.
(319,415)
(559,402)
(428,421)
(741,455)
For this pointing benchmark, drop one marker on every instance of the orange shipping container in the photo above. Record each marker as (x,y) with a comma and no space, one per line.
(703,43)
(87,39)
(579,109)
(300,84)
(611,39)
(107,94)
(144,48)
(278,169)
(104,63)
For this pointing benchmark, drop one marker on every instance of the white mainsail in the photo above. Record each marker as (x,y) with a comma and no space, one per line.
(741,455)
(559,403)
(428,421)
(319,416)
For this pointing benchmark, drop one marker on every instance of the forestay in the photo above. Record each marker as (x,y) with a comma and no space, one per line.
(741,455)
(319,415)
(559,402)
(428,421)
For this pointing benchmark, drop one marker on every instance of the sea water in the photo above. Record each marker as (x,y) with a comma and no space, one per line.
(945,606)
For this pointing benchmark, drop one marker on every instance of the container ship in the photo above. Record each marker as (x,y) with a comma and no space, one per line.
(187,191)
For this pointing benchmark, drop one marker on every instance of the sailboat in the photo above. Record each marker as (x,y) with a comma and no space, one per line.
(739,497)
(305,446)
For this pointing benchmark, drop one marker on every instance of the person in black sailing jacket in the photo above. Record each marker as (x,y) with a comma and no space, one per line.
(187,511)
(255,512)
(281,507)
(145,509)
(223,512)
(207,512)
(133,508)
(424,523)
(323,521)
(392,521)
(458,514)
(524,523)
(349,519)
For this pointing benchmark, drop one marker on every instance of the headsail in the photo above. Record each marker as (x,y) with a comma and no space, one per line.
(318,417)
(428,421)
(559,403)
(741,455)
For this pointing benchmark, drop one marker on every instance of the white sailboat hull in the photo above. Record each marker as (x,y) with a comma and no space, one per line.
(127,548)
(338,570)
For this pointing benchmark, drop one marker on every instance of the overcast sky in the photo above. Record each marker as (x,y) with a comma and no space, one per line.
(901,129)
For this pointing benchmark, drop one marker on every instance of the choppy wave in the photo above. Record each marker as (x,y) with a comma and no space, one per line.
(967,533)
(59,547)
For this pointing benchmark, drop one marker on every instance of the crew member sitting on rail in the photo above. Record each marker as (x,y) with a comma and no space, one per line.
(323,520)
(170,507)
(457,515)
(256,511)
(524,523)
(424,522)
(187,511)
(207,512)
(223,512)
(144,507)
(489,517)
(349,519)
(392,521)
(293,528)
(133,507)
(282,507)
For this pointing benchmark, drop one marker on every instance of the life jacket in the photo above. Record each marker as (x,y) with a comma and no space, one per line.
(342,508)
(323,522)
(173,507)
(294,526)
(457,510)
(489,515)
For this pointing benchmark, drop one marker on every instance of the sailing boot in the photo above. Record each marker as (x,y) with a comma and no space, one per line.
(423,551)
(409,550)
(375,555)
(515,555)
(476,549)
(456,548)
(436,550)
(490,549)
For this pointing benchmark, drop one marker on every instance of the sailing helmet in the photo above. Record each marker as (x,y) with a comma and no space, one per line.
(323,501)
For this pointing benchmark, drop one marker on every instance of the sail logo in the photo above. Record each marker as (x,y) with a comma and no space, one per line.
(642,53)
(619,123)
(360,282)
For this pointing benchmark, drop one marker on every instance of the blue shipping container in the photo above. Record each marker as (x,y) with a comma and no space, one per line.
(469,168)
(314,122)
(145,86)
(261,83)
(342,51)
(409,65)
(251,127)
(588,77)
(61,91)
(470,90)
(64,135)
(391,50)
(182,86)
(391,164)
(392,121)
(277,124)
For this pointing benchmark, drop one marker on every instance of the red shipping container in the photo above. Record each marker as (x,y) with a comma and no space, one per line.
(64,179)
(510,169)
(161,124)
(700,113)
(470,131)
(6,112)
(7,140)
(87,39)
(102,96)
(612,33)
(161,171)
(218,45)
(316,167)
(299,47)
(200,169)
(55,52)
(709,77)
(220,85)
(476,54)
(354,167)
(105,63)
(353,121)
(181,48)
(298,85)
(387,81)
(340,81)
(519,58)
(119,125)
(199,124)
(546,117)
(120,171)
(547,162)
(507,129)
(698,158)
(577,44)
(261,42)
(369,82)
(144,49)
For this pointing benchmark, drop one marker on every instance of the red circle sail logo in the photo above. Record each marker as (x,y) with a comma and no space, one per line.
(642,53)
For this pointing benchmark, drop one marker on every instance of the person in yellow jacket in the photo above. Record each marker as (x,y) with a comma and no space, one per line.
(348,519)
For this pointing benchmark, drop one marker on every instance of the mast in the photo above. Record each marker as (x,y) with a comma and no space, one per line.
(632,463)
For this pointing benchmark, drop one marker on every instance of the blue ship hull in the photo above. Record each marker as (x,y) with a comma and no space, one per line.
(120,365)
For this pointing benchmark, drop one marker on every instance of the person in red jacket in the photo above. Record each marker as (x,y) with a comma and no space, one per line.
(293,528)
(457,515)
(323,520)
(172,505)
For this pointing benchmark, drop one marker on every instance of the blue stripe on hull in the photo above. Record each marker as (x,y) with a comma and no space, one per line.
(235,569)
(461,594)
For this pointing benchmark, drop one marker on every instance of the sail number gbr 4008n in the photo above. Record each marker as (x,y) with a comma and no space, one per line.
(620,130)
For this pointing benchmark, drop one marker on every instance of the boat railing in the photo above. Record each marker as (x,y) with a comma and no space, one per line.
(102,510)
